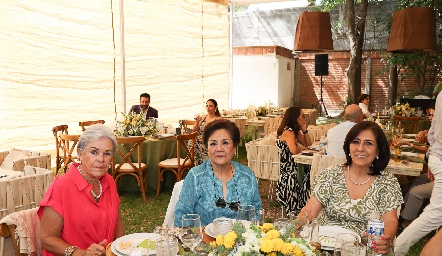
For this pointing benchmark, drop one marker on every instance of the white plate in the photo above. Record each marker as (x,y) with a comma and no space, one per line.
(314,147)
(209,230)
(411,140)
(409,154)
(327,235)
(135,239)
(409,135)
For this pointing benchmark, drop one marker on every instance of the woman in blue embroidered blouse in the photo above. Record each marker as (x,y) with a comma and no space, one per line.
(216,187)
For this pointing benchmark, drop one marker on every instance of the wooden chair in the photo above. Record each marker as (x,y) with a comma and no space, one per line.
(15,226)
(68,143)
(126,166)
(178,165)
(57,130)
(85,124)
(409,124)
(184,125)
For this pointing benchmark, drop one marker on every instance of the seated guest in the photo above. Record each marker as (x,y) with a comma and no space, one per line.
(219,185)
(201,121)
(336,135)
(346,195)
(293,187)
(364,102)
(144,108)
(429,219)
(80,210)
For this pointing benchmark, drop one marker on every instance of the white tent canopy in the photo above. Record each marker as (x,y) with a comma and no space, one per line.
(60,63)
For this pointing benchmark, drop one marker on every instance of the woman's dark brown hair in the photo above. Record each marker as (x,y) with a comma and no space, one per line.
(290,120)
(363,97)
(220,124)
(380,162)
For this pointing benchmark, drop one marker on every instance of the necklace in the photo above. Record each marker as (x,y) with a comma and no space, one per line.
(90,181)
(358,184)
(231,171)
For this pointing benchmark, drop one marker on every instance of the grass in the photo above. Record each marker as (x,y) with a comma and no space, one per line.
(144,217)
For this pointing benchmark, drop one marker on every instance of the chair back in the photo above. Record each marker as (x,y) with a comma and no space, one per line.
(320,162)
(169,217)
(85,124)
(186,126)
(23,229)
(57,130)
(68,144)
(187,143)
(126,166)
(126,161)
(408,123)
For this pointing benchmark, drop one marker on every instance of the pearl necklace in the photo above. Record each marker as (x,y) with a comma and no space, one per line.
(87,178)
(358,184)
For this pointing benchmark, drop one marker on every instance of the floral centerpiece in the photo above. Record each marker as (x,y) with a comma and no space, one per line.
(402,109)
(261,111)
(134,124)
(259,240)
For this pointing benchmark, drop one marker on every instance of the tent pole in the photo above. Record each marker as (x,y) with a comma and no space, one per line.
(123,66)
(231,53)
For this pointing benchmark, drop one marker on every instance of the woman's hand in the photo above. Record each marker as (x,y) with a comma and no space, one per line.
(382,246)
(93,249)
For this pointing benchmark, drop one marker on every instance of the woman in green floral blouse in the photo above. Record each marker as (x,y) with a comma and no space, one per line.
(348,194)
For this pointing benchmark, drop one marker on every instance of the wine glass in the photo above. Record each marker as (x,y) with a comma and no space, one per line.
(246,214)
(302,225)
(191,233)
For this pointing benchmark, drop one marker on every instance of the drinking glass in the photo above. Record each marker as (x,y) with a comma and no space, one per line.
(302,225)
(246,214)
(167,246)
(191,232)
(282,223)
(344,238)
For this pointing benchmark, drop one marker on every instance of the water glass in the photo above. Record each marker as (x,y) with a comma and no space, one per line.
(191,231)
(302,225)
(167,246)
(246,213)
(282,223)
(222,226)
(344,238)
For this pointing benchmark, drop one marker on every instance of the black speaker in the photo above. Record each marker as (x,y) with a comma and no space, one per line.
(321,65)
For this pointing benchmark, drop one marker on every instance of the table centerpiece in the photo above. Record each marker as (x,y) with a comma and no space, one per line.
(403,110)
(134,124)
(259,240)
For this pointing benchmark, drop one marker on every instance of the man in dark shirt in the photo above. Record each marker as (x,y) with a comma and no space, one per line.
(144,108)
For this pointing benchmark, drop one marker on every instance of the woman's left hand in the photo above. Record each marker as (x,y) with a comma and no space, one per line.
(96,249)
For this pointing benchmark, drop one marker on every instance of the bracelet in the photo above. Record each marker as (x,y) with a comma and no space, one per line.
(304,132)
(70,250)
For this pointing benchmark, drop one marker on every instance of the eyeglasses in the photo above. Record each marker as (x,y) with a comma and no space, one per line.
(221,203)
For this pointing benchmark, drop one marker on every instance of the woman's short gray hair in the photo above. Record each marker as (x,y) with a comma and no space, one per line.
(95,132)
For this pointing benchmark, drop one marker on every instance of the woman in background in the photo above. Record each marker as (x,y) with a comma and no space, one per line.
(293,188)
(201,122)
(364,102)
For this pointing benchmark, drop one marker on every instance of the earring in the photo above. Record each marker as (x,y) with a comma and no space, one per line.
(349,154)
(377,157)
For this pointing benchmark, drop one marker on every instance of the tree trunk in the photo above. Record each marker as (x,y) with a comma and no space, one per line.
(356,31)
(392,87)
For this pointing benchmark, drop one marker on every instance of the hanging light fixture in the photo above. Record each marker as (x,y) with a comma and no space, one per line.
(313,32)
(413,29)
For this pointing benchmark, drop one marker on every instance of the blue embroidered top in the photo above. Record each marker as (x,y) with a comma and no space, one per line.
(201,189)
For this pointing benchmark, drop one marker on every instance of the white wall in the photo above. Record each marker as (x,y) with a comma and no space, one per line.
(259,79)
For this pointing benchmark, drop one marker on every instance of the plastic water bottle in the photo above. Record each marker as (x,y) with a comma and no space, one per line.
(375,230)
